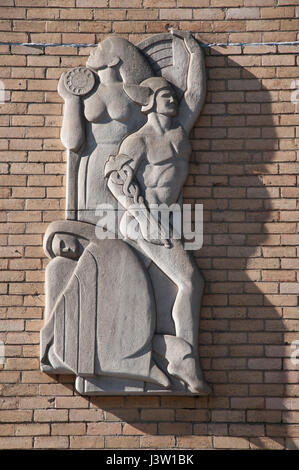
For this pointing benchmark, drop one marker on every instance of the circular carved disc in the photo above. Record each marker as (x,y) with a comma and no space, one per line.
(79,81)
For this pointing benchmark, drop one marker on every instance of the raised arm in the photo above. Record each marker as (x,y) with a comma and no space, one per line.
(194,96)
(73,130)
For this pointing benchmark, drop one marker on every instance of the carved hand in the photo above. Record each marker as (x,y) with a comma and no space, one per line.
(190,42)
(63,92)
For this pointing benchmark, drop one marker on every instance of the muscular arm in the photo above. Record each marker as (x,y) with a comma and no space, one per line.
(72,132)
(194,95)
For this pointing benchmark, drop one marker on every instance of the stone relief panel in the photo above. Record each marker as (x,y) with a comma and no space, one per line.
(122,301)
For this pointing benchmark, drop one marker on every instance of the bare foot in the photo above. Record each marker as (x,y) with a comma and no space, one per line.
(201,388)
(186,370)
(159,377)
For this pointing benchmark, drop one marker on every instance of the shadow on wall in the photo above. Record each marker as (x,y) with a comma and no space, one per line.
(244,339)
(234,172)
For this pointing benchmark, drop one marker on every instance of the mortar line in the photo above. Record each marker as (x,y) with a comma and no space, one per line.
(207,45)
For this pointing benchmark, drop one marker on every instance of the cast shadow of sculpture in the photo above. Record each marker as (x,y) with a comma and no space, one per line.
(122,311)
(234,361)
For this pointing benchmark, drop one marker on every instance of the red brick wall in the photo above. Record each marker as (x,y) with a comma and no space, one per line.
(244,170)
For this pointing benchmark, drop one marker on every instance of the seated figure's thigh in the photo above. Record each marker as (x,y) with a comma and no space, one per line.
(58,273)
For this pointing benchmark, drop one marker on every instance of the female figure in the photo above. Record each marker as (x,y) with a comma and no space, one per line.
(94,125)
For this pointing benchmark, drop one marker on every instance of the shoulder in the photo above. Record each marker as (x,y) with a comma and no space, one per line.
(133,143)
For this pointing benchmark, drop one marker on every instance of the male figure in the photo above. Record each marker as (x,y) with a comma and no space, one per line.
(150,168)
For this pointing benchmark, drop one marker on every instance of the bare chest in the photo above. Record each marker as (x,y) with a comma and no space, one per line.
(171,146)
(108,103)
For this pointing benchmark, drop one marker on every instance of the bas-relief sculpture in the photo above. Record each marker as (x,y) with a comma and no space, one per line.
(122,313)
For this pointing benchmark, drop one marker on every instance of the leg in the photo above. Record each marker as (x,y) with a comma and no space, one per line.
(181,268)
(181,351)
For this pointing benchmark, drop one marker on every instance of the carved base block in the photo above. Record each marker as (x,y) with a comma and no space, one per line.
(115,386)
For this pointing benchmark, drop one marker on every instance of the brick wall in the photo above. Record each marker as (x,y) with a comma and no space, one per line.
(244,170)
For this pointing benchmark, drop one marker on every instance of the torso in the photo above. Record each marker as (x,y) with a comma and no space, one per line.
(165,169)
(111,114)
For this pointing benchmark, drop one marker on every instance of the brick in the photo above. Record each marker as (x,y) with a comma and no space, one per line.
(160,3)
(247,430)
(43,416)
(15,442)
(96,27)
(107,14)
(277,60)
(267,25)
(143,14)
(36,26)
(195,442)
(71,402)
(68,429)
(91,3)
(87,442)
(139,429)
(173,14)
(228,416)
(175,428)
(15,416)
(11,325)
(51,442)
(86,415)
(227,442)
(157,442)
(123,442)
(26,364)
(81,38)
(243,13)
(266,443)
(128,27)
(104,429)
(281,430)
(6,429)
(12,13)
(278,12)
(208,14)
(194,26)
(290,417)
(32,429)
(157,415)
(43,61)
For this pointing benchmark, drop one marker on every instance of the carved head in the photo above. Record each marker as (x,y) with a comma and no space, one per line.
(104,55)
(115,51)
(154,94)
(66,245)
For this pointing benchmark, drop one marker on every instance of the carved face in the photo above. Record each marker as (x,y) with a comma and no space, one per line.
(66,245)
(166,102)
(101,56)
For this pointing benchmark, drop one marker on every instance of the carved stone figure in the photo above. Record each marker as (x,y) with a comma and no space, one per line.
(122,308)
